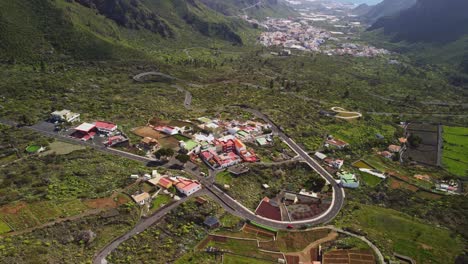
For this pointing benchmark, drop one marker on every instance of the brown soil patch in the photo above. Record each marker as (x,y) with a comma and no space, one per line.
(13,208)
(424,246)
(101,203)
(397,184)
(292,259)
(158,122)
(147,131)
(349,257)
(203,244)
(219,239)
(258,231)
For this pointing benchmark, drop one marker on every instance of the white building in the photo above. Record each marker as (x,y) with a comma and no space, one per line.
(65,116)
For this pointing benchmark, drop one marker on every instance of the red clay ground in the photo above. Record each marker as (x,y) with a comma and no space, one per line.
(348,257)
(13,209)
(146,131)
(258,231)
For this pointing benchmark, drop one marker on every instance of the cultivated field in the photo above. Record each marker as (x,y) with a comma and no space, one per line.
(428,151)
(455,151)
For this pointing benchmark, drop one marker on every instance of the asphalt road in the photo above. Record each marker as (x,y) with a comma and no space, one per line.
(228,203)
(100,257)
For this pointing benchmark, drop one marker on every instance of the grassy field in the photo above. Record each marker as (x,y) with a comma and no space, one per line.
(455,150)
(61,148)
(394,231)
(161,199)
(370,179)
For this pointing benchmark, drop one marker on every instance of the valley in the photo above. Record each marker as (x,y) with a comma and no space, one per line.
(209,131)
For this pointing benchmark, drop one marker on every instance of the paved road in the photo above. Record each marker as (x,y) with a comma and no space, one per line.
(47,130)
(100,257)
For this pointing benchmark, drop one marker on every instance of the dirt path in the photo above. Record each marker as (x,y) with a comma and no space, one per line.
(304,255)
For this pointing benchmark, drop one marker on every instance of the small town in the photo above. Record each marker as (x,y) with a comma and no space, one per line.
(300,35)
(233,132)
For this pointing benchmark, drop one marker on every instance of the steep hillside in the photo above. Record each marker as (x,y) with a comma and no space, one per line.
(386,8)
(362,9)
(431,30)
(428,21)
(36,29)
(130,14)
(114,29)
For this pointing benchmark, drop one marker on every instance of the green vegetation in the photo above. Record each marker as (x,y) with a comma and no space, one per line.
(160,200)
(247,188)
(168,239)
(455,150)
(76,238)
(370,179)
(394,231)
(4,228)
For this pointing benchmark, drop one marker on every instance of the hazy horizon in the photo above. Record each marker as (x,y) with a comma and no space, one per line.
(369,2)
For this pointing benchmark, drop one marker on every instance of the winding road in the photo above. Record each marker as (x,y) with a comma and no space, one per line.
(227,202)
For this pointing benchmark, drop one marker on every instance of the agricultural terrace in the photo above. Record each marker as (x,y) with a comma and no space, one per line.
(254,243)
(67,241)
(455,150)
(393,231)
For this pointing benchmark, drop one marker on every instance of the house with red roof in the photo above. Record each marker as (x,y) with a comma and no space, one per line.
(340,144)
(105,127)
(116,140)
(394,148)
(164,182)
(85,131)
(187,186)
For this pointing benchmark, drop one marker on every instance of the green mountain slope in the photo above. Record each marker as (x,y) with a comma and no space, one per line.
(385,8)
(35,29)
(116,29)
(417,31)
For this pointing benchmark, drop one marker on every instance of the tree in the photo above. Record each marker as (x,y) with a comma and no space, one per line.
(164,152)
(184,158)
(346,94)
(414,140)
(315,184)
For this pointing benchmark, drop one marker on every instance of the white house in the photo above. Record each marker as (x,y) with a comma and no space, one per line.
(65,116)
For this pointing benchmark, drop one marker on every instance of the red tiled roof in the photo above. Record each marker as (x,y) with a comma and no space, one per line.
(105,125)
(186,185)
(165,183)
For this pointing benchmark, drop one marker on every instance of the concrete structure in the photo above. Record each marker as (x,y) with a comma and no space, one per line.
(65,116)
(320,155)
(141,198)
(348,180)
(290,197)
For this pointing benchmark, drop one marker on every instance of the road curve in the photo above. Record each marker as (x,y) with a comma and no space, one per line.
(232,205)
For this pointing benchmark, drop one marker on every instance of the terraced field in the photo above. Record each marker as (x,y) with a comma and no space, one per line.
(455,150)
